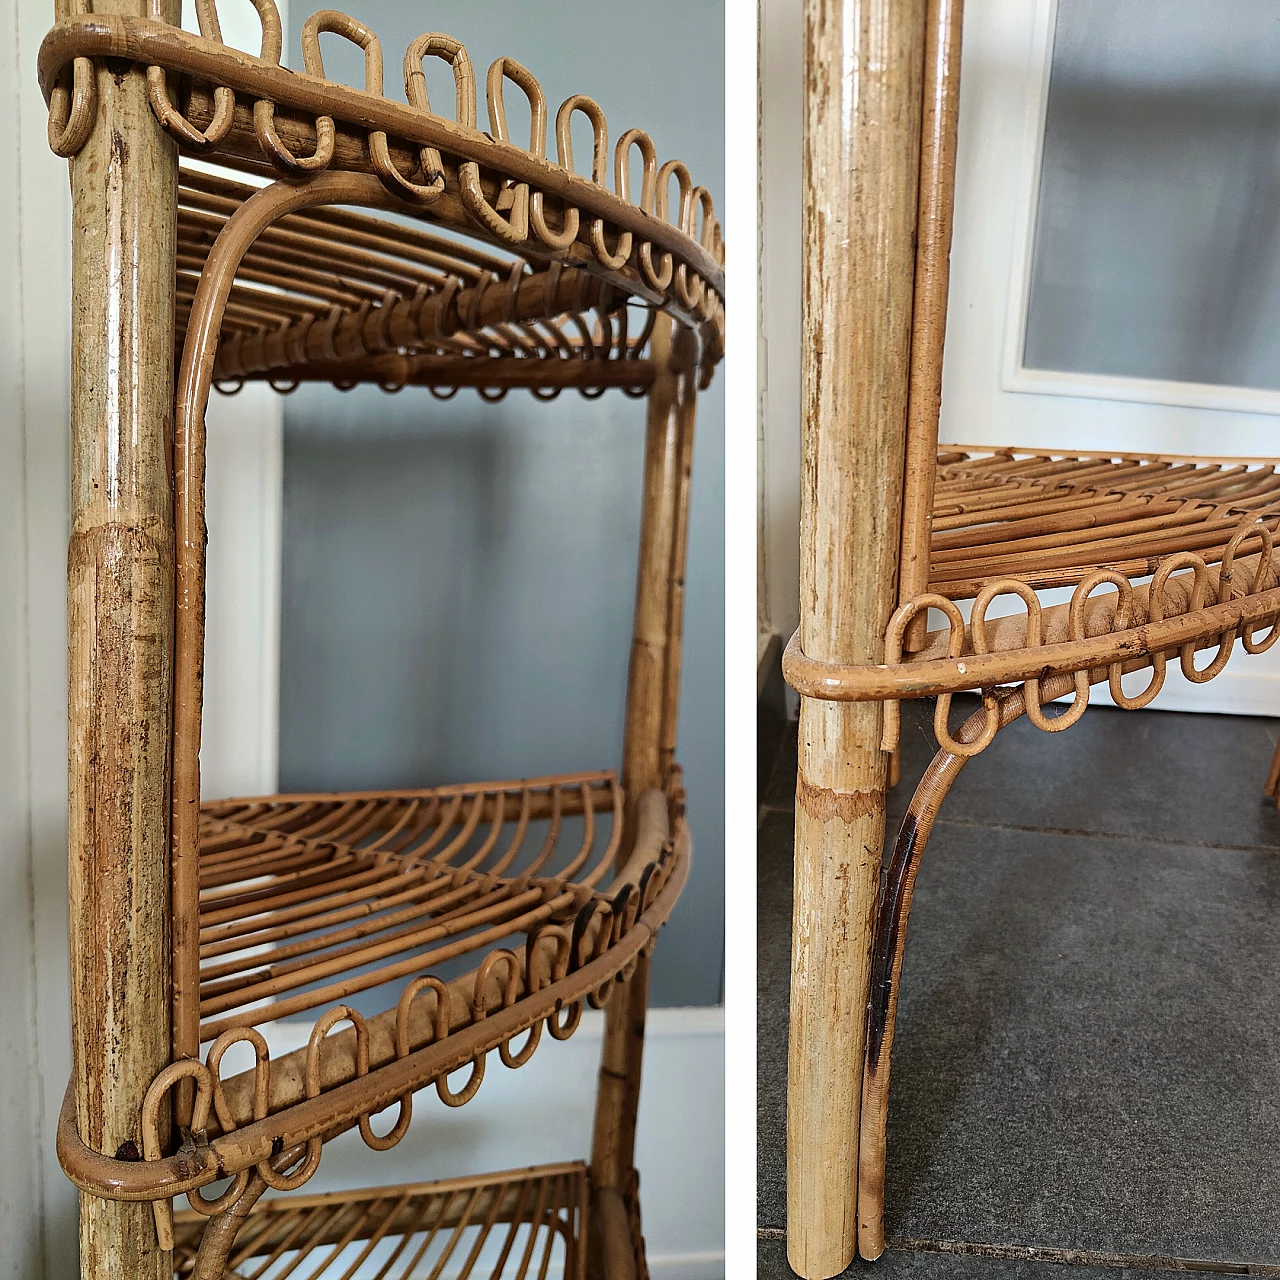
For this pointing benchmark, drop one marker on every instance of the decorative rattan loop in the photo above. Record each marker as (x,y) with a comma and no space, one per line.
(474,1080)
(513,229)
(434,312)
(660,278)
(1034,639)
(1251,644)
(688,290)
(702,201)
(898,623)
(224,101)
(1120,621)
(72,111)
(403,1049)
(264,110)
(1155,613)
(344,1013)
(183,1069)
(261,1074)
(438,45)
(515,278)
(571,219)
(1199,589)
(561,958)
(379,149)
(510,993)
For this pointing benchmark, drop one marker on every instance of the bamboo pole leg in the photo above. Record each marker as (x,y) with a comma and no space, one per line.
(652,705)
(614,1139)
(120,620)
(863,69)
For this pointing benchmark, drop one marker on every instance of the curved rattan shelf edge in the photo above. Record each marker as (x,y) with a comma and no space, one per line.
(159,44)
(979,452)
(393,371)
(339,1109)
(840,682)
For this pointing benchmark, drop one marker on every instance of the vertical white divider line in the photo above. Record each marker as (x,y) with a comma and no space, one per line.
(742,190)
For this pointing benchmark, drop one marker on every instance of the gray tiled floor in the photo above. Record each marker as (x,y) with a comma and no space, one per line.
(896,1264)
(1088,1051)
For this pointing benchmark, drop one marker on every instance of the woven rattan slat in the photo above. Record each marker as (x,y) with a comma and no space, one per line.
(502,1226)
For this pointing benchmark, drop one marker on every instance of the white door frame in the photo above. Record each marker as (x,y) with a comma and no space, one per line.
(988,397)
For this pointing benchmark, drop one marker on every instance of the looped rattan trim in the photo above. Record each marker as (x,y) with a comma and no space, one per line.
(204,140)
(1195,623)
(672,258)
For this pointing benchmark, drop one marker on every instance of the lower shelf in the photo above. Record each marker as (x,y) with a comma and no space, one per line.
(517,1225)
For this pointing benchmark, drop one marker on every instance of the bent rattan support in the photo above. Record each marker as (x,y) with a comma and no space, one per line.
(889,947)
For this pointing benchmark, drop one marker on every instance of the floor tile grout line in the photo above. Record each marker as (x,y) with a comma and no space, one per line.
(1130,837)
(1075,832)
(1064,1257)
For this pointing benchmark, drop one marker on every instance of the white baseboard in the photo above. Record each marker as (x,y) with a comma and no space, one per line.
(689,1266)
(1238,691)
(543,1113)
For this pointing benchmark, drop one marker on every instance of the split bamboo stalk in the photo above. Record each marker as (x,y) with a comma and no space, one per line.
(120,651)
(863,73)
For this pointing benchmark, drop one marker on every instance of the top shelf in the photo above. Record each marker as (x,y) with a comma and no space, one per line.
(530,274)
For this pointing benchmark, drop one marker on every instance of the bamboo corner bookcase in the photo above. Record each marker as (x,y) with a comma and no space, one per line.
(1164,556)
(348,238)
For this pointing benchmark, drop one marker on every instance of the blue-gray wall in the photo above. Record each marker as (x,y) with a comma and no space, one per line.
(458,577)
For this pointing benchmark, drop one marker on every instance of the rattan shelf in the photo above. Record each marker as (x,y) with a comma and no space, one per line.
(333,234)
(523,1223)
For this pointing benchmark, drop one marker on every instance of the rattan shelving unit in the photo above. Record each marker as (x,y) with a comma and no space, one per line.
(347,238)
(1163,557)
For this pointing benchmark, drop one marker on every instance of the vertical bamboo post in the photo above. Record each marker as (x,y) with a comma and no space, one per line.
(120,649)
(863,64)
(929,303)
(652,696)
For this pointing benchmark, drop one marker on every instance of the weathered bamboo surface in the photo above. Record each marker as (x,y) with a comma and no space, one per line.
(120,649)
(863,69)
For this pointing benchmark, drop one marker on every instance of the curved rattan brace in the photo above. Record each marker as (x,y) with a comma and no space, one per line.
(889,947)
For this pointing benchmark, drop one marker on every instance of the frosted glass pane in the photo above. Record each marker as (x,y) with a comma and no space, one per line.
(1157,243)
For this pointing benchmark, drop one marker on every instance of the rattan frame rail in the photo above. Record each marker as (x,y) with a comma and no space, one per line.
(347,238)
(1165,557)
